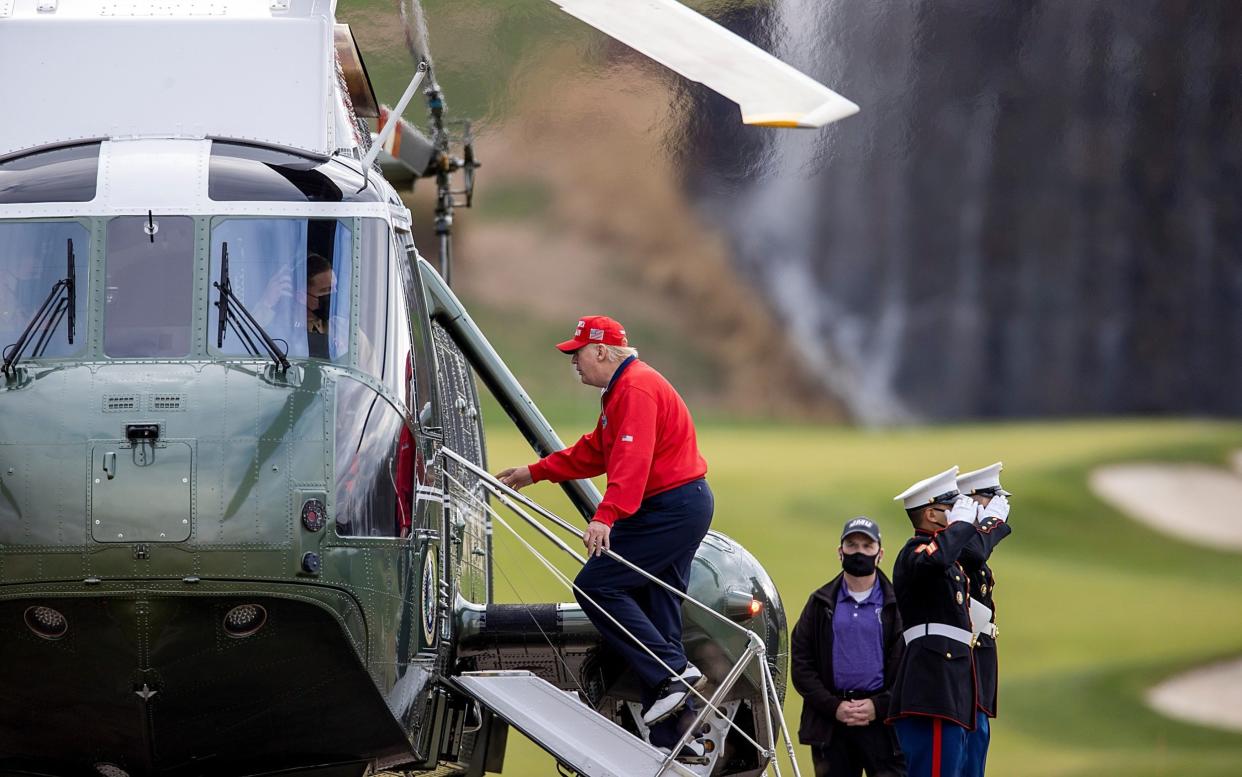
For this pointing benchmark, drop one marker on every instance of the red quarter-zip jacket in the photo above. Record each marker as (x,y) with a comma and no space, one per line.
(644,441)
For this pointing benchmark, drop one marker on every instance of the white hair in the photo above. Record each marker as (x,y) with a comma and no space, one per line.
(619,353)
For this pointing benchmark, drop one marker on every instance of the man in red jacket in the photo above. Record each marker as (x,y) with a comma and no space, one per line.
(655,510)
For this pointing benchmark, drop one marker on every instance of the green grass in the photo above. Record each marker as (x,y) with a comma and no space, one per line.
(1093,608)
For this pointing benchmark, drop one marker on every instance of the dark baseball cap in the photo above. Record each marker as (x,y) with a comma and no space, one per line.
(861,525)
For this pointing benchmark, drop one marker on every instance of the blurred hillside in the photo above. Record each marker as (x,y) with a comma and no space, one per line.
(579,211)
(1043,194)
(584,232)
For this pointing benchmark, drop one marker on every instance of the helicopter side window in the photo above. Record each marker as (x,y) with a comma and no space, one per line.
(33,257)
(66,174)
(150,286)
(422,364)
(383,315)
(375,457)
(293,276)
(257,174)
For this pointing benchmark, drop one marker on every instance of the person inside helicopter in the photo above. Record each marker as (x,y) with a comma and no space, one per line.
(326,336)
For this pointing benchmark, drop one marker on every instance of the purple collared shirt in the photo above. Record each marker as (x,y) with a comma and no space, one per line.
(858,641)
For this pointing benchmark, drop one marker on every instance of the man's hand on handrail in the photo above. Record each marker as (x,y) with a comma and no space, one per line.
(596,538)
(516,478)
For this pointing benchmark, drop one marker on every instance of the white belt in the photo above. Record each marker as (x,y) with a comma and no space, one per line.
(981,618)
(939,630)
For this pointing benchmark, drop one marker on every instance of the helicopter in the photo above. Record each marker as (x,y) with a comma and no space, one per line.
(245,517)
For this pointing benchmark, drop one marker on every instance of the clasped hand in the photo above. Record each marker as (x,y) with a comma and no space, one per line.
(859,712)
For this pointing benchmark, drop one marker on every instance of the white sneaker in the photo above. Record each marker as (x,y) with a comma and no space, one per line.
(691,675)
(673,695)
(692,751)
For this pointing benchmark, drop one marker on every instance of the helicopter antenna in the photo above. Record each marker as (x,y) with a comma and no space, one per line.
(445,164)
(394,120)
(444,193)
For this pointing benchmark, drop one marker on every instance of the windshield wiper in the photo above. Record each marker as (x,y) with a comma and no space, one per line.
(61,301)
(233,314)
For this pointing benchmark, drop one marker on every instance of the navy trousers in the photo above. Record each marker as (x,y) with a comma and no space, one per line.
(977,742)
(660,538)
(934,747)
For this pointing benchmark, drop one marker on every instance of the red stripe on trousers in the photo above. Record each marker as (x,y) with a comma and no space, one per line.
(936,748)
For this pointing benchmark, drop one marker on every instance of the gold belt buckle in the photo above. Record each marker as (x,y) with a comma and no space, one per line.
(974,639)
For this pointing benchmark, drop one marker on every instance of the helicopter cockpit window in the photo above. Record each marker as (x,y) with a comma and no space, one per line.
(293,276)
(65,174)
(383,314)
(34,257)
(148,309)
(256,174)
(376,463)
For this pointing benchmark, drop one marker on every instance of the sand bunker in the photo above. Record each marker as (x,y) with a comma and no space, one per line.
(1210,696)
(1154,494)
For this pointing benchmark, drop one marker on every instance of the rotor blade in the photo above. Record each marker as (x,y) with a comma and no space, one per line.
(414,24)
(769,92)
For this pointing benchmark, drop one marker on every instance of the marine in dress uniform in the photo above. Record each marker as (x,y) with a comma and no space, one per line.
(656,509)
(983,485)
(934,696)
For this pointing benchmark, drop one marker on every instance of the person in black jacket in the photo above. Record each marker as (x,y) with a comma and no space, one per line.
(845,650)
(934,694)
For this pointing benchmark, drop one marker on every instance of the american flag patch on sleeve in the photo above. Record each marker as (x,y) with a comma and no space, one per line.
(627,438)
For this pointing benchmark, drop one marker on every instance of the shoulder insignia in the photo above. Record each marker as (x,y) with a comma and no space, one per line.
(927,547)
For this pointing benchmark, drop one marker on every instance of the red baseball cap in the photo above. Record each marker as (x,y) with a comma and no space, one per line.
(595,329)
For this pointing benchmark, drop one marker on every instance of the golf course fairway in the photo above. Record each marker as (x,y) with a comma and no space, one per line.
(1093,608)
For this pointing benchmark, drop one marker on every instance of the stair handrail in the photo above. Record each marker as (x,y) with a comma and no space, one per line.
(755,647)
(493,484)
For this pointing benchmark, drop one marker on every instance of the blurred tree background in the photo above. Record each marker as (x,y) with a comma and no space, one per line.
(1036,212)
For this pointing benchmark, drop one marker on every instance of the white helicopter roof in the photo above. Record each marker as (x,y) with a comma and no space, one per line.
(256,70)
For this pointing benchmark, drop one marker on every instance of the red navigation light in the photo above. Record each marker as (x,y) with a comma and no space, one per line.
(742,605)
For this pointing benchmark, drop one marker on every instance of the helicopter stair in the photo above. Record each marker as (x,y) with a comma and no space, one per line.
(577,735)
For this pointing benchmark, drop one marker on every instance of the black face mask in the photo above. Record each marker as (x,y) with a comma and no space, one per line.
(325,306)
(858,564)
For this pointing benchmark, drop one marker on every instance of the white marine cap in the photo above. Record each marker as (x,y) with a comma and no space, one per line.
(937,488)
(986,480)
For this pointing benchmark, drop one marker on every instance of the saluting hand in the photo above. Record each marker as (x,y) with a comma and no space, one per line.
(595,538)
(516,478)
(998,508)
(964,509)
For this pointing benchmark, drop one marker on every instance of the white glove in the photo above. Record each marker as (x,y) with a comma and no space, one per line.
(998,508)
(964,509)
